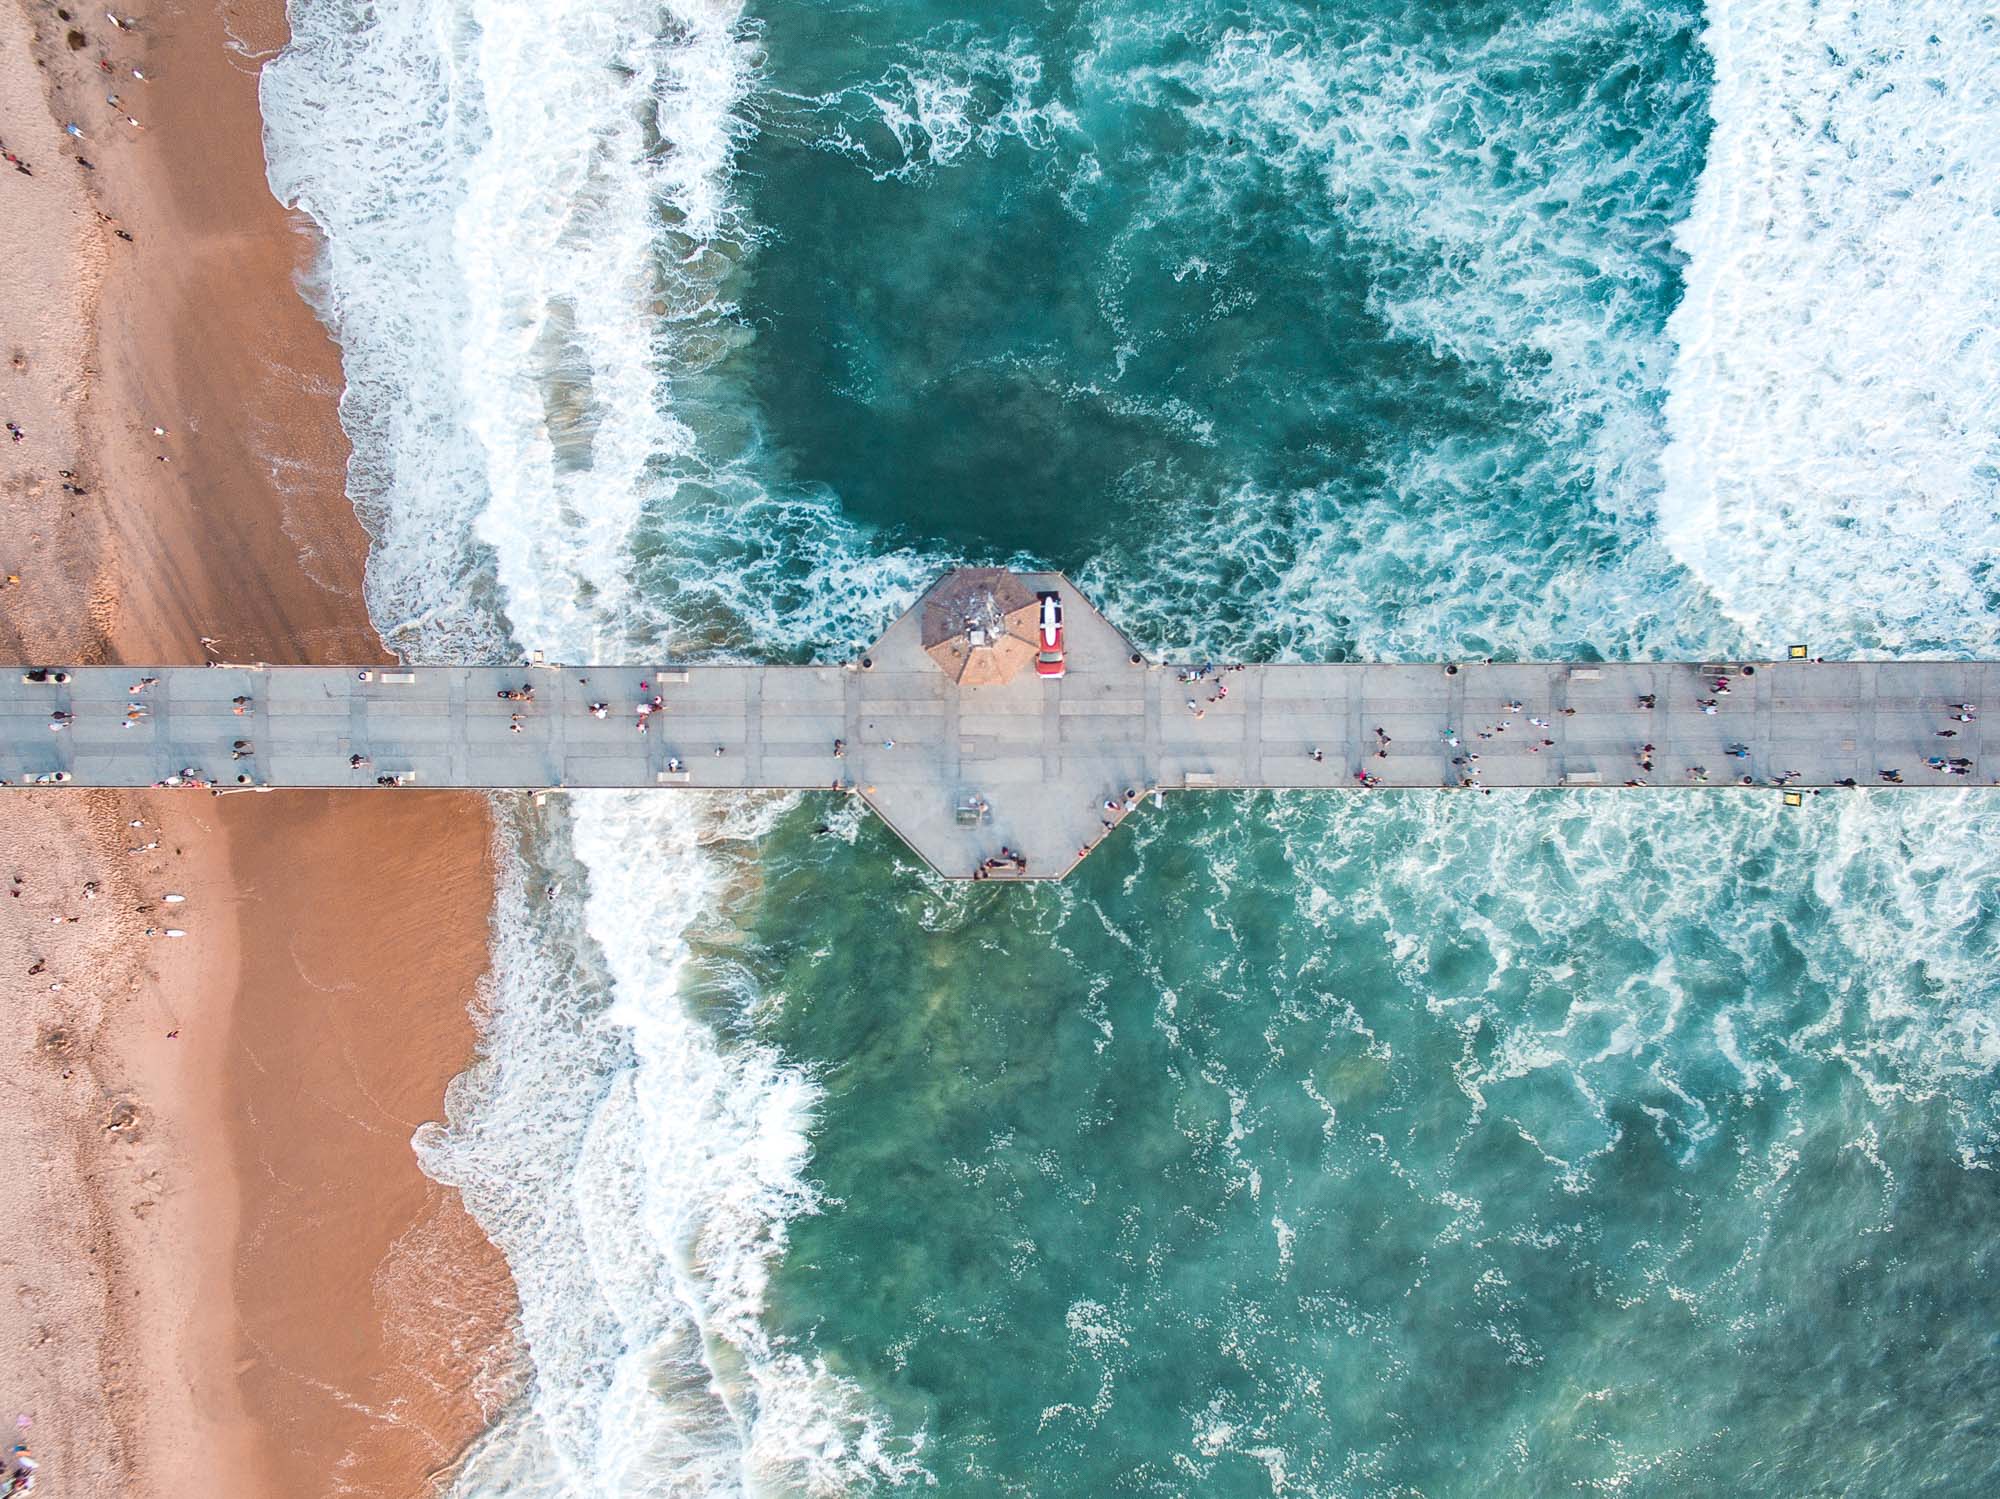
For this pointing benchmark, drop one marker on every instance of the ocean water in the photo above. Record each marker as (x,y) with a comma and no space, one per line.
(1393,1146)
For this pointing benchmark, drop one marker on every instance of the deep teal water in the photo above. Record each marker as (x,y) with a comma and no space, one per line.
(1398,1146)
(1324,326)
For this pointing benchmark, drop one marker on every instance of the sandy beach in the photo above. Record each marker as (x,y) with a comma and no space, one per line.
(223,1256)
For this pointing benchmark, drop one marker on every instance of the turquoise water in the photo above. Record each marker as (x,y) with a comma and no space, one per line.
(1298,329)
(1415,1146)
(1376,1145)
(1423,1146)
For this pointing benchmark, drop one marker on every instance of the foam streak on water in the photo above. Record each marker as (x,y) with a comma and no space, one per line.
(1835,405)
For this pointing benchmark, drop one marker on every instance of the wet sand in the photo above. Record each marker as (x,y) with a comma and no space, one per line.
(227,1259)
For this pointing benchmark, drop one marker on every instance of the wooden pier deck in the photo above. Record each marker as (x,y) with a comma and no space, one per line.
(1029,764)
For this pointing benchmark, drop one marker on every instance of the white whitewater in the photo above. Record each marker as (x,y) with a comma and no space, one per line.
(529,219)
(1834,469)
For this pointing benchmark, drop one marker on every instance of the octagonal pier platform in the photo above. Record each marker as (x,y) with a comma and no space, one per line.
(984,767)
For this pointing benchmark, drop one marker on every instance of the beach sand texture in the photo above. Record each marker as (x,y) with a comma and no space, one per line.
(222,1254)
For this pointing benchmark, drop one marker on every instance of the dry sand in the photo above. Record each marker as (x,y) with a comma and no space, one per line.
(223,1260)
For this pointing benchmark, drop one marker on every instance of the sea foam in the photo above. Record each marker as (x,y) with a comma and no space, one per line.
(1513,191)
(1834,474)
(529,231)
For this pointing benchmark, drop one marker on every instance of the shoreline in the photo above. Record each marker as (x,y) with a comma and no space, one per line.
(233,1262)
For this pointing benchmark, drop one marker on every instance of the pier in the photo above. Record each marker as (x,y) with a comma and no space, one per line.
(965,751)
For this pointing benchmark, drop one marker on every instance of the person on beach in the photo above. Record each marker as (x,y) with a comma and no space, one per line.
(358,762)
(20,1474)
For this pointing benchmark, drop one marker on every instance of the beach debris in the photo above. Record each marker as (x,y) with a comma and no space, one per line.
(14,431)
